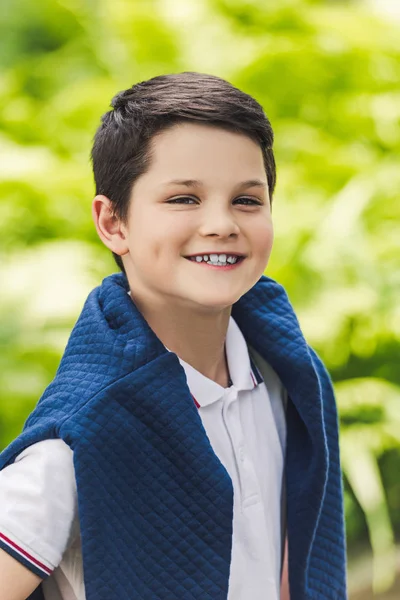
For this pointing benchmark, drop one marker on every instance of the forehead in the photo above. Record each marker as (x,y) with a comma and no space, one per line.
(199,151)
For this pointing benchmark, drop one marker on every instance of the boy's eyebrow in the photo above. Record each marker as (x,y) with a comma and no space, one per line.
(196,183)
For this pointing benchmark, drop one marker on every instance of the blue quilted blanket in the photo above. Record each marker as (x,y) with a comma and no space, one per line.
(155,503)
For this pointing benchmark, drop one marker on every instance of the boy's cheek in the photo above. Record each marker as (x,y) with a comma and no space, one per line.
(267,240)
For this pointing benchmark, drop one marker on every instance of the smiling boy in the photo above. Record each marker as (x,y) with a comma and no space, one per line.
(187,395)
(189,204)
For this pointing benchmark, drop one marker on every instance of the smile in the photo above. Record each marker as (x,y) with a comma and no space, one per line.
(215,261)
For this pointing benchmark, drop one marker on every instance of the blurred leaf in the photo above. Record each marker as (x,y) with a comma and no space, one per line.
(363,474)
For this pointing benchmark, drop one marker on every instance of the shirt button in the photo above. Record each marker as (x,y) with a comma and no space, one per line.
(241,453)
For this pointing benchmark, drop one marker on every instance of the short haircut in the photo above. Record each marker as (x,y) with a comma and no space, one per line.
(121,148)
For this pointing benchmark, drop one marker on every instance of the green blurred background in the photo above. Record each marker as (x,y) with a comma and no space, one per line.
(327,74)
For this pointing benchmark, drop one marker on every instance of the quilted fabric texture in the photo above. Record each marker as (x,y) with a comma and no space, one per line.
(155,503)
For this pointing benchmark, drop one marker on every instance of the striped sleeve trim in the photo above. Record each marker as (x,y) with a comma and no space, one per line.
(24,557)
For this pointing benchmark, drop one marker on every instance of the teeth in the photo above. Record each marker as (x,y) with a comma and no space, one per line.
(215,259)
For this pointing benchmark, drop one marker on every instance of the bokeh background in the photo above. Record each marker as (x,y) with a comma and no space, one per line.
(327,74)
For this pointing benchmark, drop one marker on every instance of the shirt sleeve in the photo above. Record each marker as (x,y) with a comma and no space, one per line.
(38,506)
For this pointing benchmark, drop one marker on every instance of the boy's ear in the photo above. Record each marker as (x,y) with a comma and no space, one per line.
(110,229)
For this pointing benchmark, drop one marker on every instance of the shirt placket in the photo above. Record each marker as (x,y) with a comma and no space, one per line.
(248,484)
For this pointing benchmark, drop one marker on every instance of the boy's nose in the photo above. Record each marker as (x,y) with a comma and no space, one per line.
(220,222)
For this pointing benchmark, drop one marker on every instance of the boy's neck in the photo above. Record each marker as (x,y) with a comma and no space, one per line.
(198,339)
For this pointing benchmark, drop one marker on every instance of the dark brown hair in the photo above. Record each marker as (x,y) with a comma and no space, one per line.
(121,148)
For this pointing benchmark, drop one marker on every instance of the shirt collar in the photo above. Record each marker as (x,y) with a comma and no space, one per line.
(244,374)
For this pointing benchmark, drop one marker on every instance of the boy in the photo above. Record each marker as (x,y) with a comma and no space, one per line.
(153,465)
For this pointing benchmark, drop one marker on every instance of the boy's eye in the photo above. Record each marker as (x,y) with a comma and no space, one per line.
(253,200)
(181,200)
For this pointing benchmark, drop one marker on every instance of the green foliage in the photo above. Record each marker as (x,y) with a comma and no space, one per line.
(370,411)
(327,75)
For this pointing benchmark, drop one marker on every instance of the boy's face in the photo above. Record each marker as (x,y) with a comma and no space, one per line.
(220,214)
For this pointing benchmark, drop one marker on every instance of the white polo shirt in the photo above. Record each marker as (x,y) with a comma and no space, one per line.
(39,522)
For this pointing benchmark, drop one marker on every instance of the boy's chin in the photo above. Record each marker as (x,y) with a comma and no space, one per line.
(214,302)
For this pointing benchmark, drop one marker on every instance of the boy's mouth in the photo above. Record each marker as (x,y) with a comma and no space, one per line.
(221,261)
(215,256)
